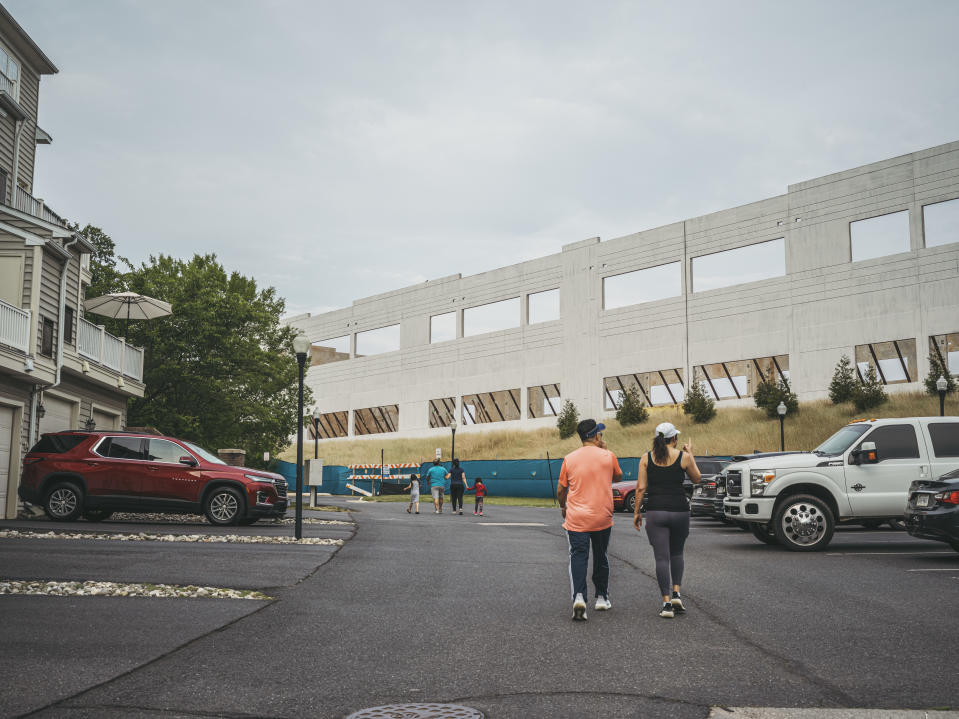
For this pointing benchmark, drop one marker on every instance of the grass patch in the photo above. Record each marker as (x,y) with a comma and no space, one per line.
(468,501)
(735,430)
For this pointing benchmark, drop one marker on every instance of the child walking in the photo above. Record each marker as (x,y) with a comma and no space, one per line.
(414,487)
(480,494)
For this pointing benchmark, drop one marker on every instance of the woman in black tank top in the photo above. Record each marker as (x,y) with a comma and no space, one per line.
(661,474)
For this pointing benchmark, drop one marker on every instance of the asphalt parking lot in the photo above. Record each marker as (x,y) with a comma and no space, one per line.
(475,611)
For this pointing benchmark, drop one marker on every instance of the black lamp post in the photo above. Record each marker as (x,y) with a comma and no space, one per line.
(781,411)
(316,433)
(453,443)
(941,386)
(90,424)
(301,347)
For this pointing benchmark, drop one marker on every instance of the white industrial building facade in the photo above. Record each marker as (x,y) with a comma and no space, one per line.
(863,262)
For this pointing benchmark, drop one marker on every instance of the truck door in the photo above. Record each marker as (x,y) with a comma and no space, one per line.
(880,489)
(943,436)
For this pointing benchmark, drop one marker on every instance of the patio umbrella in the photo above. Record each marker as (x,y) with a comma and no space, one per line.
(131,305)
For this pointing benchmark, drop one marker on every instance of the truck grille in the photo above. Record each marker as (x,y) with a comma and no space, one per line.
(734,483)
(280,485)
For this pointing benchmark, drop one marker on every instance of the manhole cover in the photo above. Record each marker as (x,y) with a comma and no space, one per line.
(418,711)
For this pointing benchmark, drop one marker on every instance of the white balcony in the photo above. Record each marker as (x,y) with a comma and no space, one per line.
(25,202)
(95,343)
(14,327)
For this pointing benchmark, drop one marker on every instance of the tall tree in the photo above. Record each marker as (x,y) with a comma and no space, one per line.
(105,275)
(843,386)
(218,371)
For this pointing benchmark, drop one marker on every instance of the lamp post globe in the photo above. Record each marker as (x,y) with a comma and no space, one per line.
(781,411)
(301,347)
(941,386)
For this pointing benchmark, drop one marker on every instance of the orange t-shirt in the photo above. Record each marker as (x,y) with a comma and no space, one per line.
(589,472)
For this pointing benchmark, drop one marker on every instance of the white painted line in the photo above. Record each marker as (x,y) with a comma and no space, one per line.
(512,524)
(881,554)
(820,713)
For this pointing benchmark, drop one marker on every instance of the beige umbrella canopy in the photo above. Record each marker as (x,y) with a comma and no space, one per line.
(130,305)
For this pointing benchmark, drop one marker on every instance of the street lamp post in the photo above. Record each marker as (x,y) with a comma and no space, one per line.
(941,386)
(781,411)
(301,347)
(453,444)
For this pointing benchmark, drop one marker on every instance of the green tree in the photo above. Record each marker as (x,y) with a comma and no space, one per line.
(698,404)
(106,277)
(769,394)
(567,420)
(938,369)
(633,409)
(843,385)
(219,370)
(870,393)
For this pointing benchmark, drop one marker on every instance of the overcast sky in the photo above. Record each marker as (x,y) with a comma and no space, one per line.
(335,150)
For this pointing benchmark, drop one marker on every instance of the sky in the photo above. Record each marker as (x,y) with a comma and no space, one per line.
(335,150)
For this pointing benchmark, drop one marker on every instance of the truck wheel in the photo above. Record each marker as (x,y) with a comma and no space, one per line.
(804,523)
(223,506)
(762,532)
(64,502)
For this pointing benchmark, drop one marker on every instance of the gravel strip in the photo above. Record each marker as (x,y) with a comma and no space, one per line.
(144,537)
(115,589)
(200,519)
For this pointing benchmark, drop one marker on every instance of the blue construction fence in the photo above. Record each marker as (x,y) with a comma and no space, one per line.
(503,477)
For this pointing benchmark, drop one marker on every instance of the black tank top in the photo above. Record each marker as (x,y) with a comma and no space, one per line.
(456,476)
(664,486)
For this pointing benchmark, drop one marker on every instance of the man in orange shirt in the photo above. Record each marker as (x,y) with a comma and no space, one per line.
(585,497)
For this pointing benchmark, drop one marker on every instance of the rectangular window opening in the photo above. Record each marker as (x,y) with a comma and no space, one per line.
(543,306)
(762,261)
(894,362)
(46,337)
(335,349)
(545,400)
(376,420)
(492,317)
(646,285)
(378,341)
(657,388)
(329,426)
(442,412)
(68,324)
(946,348)
(484,407)
(739,379)
(940,223)
(879,236)
(443,327)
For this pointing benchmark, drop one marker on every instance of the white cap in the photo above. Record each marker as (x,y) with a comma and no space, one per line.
(667,430)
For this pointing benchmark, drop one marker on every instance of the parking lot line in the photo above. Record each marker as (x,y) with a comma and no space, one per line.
(879,554)
(955,569)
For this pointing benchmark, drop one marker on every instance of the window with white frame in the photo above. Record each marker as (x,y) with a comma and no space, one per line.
(9,74)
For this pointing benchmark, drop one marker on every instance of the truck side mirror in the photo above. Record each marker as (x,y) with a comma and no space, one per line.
(866,454)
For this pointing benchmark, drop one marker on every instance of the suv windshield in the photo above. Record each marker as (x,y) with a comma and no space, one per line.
(843,439)
(203,453)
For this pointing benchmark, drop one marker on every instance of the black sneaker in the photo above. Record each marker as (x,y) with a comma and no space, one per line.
(677,602)
(667,611)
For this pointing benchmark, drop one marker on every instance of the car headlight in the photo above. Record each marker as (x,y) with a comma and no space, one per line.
(758,479)
(255,478)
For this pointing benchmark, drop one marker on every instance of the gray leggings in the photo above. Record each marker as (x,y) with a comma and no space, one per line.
(667,532)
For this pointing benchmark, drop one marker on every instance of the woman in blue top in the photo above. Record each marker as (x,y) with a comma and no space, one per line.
(437,476)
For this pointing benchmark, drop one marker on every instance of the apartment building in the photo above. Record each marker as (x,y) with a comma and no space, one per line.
(863,262)
(58,369)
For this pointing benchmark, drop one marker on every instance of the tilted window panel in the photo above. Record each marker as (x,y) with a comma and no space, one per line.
(376,420)
(498,406)
(544,400)
(657,388)
(330,425)
(442,412)
(739,379)
(946,348)
(894,361)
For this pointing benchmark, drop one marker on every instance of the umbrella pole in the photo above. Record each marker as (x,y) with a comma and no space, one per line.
(126,330)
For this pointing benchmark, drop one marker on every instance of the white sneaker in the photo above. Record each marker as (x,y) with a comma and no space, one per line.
(667,611)
(579,607)
(602,604)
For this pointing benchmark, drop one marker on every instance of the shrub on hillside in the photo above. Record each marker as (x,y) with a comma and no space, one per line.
(698,404)
(567,420)
(844,383)
(769,394)
(870,393)
(633,409)
(937,370)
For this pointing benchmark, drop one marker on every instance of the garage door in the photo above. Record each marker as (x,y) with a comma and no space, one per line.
(104,420)
(6,442)
(58,416)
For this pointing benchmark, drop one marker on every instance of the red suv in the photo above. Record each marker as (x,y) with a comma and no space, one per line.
(94,474)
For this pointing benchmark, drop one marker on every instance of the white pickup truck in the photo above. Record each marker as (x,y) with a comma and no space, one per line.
(861,474)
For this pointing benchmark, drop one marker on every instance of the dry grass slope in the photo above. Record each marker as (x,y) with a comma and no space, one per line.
(733,431)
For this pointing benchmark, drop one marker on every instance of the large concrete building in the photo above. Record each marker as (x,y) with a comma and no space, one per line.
(863,263)
(58,370)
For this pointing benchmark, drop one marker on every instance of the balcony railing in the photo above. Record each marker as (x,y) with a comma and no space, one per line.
(95,343)
(25,202)
(14,327)
(7,85)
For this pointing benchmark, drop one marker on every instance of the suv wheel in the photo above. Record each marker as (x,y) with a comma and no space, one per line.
(804,523)
(64,502)
(629,505)
(223,506)
(762,532)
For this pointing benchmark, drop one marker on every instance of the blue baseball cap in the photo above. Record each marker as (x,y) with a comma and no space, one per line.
(588,428)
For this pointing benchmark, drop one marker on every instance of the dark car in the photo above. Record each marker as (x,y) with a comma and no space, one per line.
(624,493)
(707,499)
(932,509)
(93,474)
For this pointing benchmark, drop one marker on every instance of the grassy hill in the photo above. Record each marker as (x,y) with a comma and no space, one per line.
(732,431)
